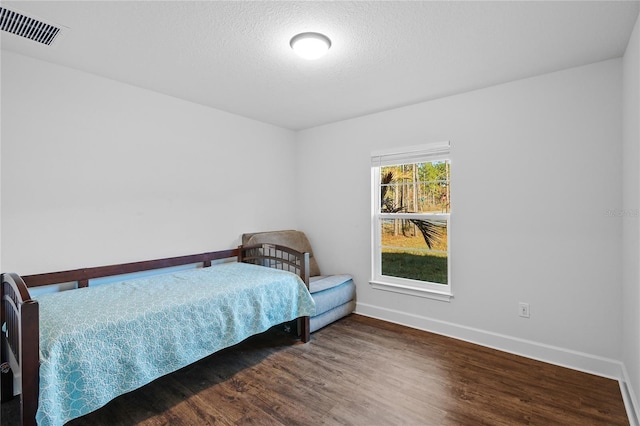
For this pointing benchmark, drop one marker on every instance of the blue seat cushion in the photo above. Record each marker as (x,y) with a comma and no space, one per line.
(334,296)
(331,315)
(323,282)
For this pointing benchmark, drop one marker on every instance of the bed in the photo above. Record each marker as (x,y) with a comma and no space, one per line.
(73,351)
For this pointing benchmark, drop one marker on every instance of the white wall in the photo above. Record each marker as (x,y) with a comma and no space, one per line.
(630,222)
(94,171)
(536,164)
(97,172)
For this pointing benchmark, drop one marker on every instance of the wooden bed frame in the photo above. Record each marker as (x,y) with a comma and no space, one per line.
(19,313)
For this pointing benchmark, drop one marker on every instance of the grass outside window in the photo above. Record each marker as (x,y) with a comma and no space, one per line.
(406,255)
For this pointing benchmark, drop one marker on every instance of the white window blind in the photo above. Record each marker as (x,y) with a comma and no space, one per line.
(414,154)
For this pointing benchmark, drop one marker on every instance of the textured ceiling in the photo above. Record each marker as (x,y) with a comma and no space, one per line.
(235,56)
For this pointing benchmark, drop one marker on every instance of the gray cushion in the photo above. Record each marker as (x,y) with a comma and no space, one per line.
(334,296)
(334,314)
(323,282)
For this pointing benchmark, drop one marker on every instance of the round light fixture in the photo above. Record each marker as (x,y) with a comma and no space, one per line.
(310,45)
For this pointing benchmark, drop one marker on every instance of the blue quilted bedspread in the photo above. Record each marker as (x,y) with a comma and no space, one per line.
(99,342)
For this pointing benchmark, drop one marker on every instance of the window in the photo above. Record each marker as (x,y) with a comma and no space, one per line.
(411,195)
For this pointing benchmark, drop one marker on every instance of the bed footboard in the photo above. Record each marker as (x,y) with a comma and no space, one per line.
(20,345)
(284,258)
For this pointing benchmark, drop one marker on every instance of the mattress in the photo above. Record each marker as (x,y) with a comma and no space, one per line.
(99,342)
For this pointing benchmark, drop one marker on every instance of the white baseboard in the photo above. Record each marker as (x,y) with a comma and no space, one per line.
(630,399)
(563,357)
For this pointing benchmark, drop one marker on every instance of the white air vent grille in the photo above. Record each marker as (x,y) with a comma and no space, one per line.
(23,26)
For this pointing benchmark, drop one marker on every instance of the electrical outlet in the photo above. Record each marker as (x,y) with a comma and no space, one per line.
(523,310)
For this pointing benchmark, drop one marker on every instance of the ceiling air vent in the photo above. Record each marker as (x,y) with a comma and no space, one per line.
(23,26)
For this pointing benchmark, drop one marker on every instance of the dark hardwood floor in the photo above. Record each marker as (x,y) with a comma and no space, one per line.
(361,371)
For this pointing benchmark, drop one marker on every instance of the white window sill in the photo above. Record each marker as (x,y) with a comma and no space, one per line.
(412,290)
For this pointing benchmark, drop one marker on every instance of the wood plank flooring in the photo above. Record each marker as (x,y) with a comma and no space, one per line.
(361,371)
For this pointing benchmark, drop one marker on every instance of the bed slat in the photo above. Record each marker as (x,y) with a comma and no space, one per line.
(284,258)
(20,314)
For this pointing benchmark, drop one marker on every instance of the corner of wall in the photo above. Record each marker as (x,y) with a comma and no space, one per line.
(630,382)
(629,398)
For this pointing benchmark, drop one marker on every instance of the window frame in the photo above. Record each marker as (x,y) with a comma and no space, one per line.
(421,153)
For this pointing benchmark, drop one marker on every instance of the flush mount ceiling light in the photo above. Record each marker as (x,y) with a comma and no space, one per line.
(310,45)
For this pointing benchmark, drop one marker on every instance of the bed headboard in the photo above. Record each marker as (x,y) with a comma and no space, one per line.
(297,240)
(277,257)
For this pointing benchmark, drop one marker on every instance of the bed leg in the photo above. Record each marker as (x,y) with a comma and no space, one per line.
(30,361)
(305,327)
(6,387)
(6,391)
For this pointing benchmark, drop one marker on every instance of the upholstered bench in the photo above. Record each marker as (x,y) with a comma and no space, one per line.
(334,294)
